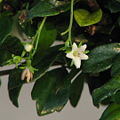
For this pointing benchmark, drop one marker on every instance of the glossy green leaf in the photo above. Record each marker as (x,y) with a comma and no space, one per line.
(44,62)
(111,113)
(51,92)
(5,27)
(116,66)
(56,100)
(9,47)
(14,86)
(48,36)
(46,8)
(85,18)
(116,98)
(107,90)
(76,89)
(101,58)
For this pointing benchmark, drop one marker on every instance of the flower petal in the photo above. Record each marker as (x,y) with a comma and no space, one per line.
(83,57)
(70,55)
(77,62)
(74,47)
(83,47)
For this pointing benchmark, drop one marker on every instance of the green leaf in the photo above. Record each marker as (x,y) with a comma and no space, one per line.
(56,100)
(51,92)
(85,18)
(111,113)
(9,47)
(48,36)
(119,21)
(116,66)
(116,98)
(44,62)
(4,56)
(118,0)
(113,6)
(46,8)
(5,27)
(50,78)
(1,1)
(97,80)
(101,58)
(13,45)
(76,89)
(14,86)
(107,90)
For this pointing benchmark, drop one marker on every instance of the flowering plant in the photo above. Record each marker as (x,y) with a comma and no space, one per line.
(48,42)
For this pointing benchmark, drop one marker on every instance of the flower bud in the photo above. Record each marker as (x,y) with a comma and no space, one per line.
(27,75)
(28,47)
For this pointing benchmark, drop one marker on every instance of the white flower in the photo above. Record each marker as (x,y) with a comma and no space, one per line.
(77,54)
(28,47)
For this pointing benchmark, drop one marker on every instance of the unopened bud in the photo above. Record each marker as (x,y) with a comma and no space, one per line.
(28,47)
(27,75)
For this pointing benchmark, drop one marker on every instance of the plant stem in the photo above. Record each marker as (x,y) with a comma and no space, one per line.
(37,36)
(71,22)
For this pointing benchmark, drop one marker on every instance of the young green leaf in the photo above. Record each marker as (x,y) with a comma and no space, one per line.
(85,18)
(111,113)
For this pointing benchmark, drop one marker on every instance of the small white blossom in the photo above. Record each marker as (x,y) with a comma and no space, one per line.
(77,54)
(28,47)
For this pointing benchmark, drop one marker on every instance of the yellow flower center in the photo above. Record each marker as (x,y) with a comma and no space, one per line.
(76,54)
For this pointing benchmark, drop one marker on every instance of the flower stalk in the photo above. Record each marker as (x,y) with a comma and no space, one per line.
(37,36)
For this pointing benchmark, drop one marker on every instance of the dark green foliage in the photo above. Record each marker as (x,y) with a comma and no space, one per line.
(95,23)
(5,27)
(14,86)
(107,90)
(47,8)
(76,89)
(51,92)
(101,58)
